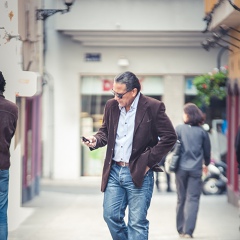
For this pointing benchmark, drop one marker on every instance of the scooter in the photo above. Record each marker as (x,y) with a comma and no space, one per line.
(215,180)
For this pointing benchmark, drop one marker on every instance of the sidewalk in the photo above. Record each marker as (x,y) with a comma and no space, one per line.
(67,210)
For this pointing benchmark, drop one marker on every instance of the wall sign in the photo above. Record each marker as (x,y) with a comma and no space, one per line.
(92,57)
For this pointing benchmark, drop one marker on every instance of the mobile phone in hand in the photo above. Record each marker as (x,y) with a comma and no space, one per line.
(85,139)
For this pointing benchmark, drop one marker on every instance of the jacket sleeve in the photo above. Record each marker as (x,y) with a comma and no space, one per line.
(167,135)
(102,134)
(206,148)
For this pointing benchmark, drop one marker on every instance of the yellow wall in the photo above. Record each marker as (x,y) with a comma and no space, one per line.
(234,57)
(209,5)
(237,2)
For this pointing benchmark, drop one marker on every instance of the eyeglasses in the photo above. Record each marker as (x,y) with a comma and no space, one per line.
(119,95)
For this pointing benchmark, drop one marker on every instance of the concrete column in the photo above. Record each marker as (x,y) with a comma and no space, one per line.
(173,97)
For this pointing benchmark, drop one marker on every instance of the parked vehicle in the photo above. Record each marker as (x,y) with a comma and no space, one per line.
(215,180)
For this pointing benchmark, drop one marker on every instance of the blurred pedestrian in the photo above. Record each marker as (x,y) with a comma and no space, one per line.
(168,179)
(237,148)
(132,124)
(195,150)
(8,124)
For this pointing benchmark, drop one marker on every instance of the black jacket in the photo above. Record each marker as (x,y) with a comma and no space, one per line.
(237,147)
(195,147)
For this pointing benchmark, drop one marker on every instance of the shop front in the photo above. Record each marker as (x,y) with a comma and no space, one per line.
(95,91)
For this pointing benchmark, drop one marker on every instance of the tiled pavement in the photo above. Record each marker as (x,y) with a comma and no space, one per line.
(72,210)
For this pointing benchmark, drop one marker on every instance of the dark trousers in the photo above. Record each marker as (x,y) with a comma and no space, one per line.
(189,188)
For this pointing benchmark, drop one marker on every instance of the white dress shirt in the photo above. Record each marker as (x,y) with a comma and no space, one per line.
(124,138)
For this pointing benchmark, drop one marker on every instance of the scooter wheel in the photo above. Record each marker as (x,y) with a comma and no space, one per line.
(210,188)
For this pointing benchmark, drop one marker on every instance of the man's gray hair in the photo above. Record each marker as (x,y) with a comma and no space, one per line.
(129,79)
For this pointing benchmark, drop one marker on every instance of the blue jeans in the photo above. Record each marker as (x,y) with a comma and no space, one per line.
(120,193)
(4,180)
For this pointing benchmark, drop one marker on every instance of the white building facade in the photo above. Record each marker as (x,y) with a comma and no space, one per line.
(158,40)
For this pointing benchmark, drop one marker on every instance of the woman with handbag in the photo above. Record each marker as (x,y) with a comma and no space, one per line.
(195,151)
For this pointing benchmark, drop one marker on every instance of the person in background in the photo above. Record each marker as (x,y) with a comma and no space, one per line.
(195,151)
(168,180)
(8,124)
(237,148)
(138,134)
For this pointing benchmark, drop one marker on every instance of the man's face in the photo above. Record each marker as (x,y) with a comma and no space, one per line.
(124,97)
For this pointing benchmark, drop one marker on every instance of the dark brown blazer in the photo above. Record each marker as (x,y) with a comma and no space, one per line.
(8,124)
(151,122)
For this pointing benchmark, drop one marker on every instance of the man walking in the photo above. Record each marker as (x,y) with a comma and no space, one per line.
(138,134)
(8,123)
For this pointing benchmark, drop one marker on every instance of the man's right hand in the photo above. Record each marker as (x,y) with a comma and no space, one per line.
(91,143)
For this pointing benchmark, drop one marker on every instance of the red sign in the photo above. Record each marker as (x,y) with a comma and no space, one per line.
(107,85)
